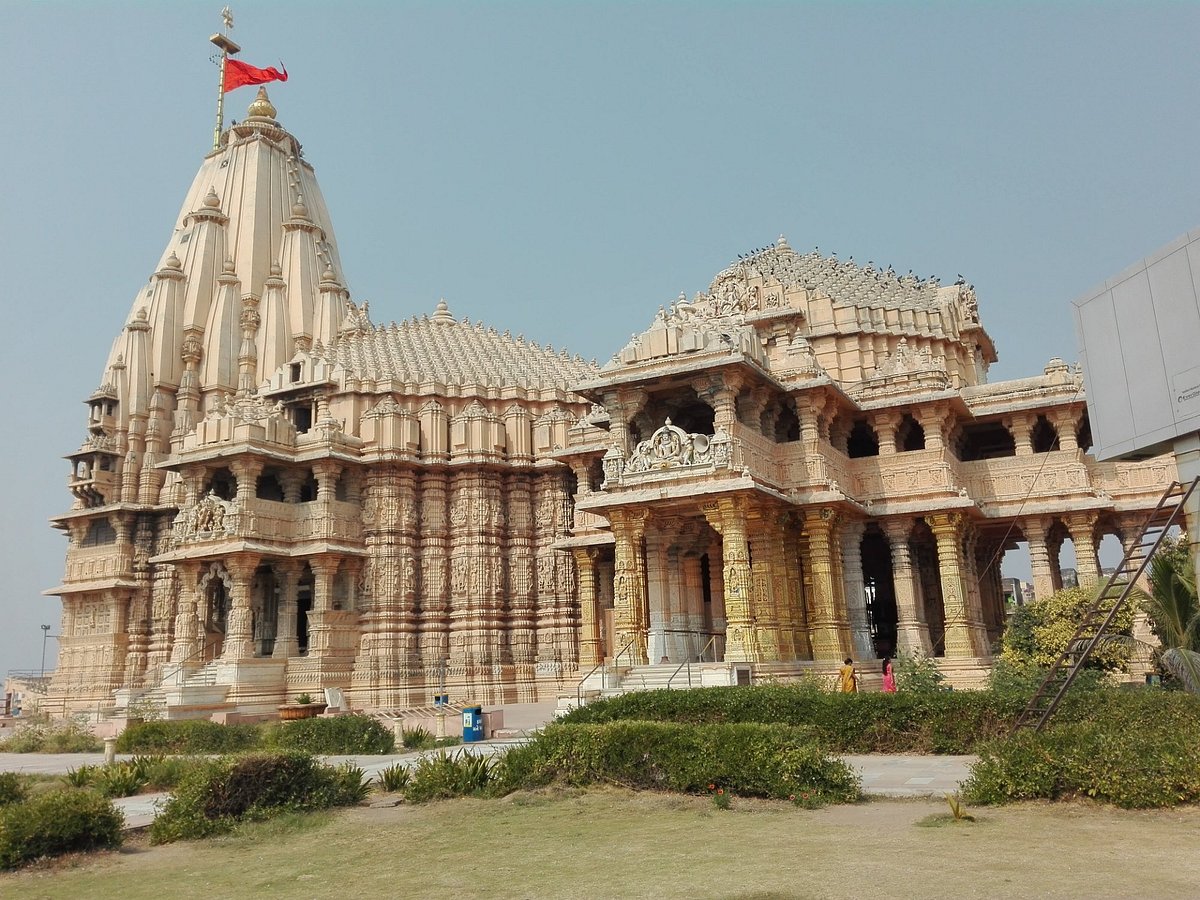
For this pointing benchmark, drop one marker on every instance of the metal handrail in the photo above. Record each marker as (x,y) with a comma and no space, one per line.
(699,658)
(603,664)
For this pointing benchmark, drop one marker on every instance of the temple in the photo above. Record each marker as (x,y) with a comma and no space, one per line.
(803,462)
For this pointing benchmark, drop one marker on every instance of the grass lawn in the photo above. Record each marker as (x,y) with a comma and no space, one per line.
(610,843)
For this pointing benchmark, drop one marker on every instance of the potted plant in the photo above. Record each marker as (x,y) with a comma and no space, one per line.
(305,708)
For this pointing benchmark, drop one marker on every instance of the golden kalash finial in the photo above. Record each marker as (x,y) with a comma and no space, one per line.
(261,107)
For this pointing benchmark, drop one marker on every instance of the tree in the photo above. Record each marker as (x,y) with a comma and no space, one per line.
(1174,613)
(1039,631)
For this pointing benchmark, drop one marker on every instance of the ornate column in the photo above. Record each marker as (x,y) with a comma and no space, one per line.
(962,638)
(912,631)
(629,593)
(589,607)
(728,517)
(828,626)
(1039,558)
(796,620)
(324,568)
(239,634)
(1082,527)
(187,624)
(850,540)
(765,594)
(287,643)
(885,423)
(246,471)
(521,535)
(1021,426)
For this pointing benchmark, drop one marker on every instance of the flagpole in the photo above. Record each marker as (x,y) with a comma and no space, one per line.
(226,46)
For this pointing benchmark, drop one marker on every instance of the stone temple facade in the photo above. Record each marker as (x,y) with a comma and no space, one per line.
(275,495)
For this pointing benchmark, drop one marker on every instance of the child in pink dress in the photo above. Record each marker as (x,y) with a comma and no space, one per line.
(889,677)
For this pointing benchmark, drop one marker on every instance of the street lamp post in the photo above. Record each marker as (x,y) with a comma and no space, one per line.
(45,635)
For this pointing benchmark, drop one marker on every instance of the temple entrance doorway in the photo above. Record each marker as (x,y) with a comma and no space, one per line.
(880,591)
(216,588)
(264,610)
(684,593)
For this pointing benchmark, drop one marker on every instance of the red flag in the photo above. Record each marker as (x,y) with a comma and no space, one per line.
(239,74)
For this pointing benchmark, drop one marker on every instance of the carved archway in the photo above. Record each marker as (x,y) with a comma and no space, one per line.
(216,587)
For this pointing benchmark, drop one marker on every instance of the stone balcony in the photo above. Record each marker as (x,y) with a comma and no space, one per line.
(213,521)
(91,564)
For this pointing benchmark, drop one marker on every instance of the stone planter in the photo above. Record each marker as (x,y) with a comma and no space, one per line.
(296,711)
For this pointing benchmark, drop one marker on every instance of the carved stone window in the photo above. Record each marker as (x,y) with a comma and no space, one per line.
(862,440)
(1044,436)
(99,533)
(910,435)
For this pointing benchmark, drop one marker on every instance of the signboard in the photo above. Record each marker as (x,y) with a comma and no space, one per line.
(1140,338)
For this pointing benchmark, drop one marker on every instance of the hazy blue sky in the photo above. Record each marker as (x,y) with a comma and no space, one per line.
(562,169)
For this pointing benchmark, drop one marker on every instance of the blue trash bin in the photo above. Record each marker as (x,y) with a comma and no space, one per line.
(472,724)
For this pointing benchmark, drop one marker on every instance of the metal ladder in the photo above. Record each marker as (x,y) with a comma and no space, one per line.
(1109,601)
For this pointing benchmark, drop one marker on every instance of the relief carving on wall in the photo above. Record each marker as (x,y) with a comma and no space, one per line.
(670,447)
(210,518)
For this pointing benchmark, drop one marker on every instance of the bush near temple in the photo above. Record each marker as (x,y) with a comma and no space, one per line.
(924,722)
(64,736)
(749,760)
(336,734)
(188,736)
(1132,749)
(61,821)
(1038,632)
(220,793)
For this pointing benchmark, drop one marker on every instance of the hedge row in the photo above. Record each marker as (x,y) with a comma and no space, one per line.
(753,760)
(220,793)
(1138,751)
(942,722)
(335,734)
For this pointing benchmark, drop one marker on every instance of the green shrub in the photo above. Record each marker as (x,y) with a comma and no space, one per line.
(12,789)
(1134,750)
(1039,631)
(917,673)
(394,778)
(447,775)
(62,736)
(752,760)
(905,722)
(62,821)
(334,735)
(81,777)
(218,794)
(188,736)
(118,780)
(416,738)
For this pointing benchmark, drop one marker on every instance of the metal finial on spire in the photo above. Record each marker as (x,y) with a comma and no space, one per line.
(226,45)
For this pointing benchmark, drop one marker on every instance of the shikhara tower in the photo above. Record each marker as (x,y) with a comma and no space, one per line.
(804,462)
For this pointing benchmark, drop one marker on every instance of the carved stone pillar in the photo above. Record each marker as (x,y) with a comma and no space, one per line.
(933,419)
(1021,426)
(324,569)
(1066,421)
(829,628)
(1082,527)
(766,592)
(246,471)
(291,481)
(287,642)
(589,607)
(629,595)
(912,631)
(239,634)
(728,517)
(796,620)
(326,472)
(1039,558)
(850,540)
(885,424)
(187,624)
(962,637)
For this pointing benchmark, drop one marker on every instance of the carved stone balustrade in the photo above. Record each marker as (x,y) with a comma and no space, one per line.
(213,519)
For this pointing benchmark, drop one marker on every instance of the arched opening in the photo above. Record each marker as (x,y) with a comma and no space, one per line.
(786,424)
(923,548)
(984,440)
(268,486)
(304,605)
(1043,436)
(308,490)
(910,434)
(882,616)
(695,418)
(264,610)
(862,440)
(222,483)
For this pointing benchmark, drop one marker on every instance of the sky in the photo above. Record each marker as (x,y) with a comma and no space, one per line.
(563,169)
